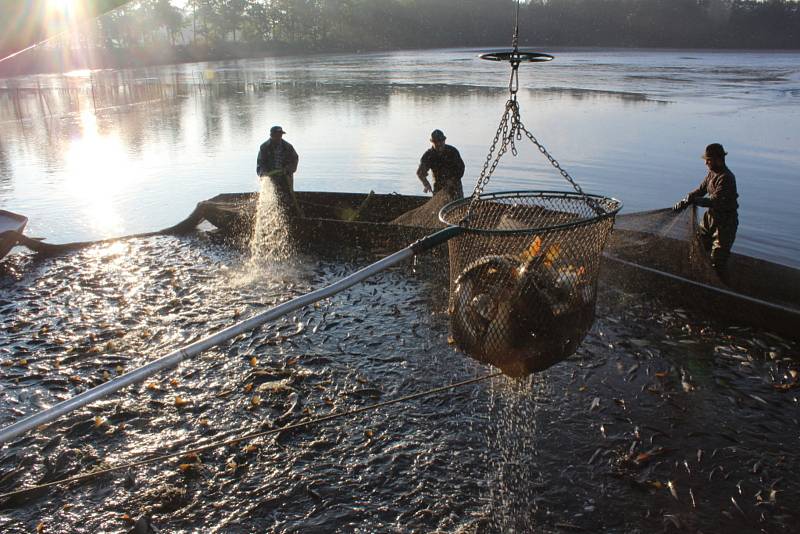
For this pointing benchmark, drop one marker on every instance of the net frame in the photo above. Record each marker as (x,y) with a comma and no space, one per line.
(524,272)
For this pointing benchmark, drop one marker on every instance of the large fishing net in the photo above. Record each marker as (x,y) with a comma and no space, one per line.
(665,240)
(523,275)
(524,271)
(427,215)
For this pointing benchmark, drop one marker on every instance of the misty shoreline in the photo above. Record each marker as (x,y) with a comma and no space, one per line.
(50,62)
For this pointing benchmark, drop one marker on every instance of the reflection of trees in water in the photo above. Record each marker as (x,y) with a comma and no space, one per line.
(227,104)
(573,93)
(6,174)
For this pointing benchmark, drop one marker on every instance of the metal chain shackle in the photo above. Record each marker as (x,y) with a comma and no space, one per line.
(491,164)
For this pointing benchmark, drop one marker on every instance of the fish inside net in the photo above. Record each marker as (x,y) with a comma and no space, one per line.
(550,299)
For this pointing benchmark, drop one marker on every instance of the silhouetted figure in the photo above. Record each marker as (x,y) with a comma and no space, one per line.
(718,193)
(277,159)
(446,165)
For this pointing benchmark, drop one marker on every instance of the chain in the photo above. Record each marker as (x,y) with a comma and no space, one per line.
(491,164)
(511,128)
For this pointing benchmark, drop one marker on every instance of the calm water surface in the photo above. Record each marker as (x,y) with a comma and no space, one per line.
(631,124)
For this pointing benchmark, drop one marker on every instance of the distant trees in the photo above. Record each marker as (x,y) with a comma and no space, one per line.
(369,24)
(257,26)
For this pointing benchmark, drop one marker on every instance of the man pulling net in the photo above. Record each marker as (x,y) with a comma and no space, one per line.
(717,192)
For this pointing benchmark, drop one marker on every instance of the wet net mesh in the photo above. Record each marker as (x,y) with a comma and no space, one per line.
(427,215)
(523,277)
(666,240)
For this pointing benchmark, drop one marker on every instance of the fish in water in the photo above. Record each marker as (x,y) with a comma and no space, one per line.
(521,313)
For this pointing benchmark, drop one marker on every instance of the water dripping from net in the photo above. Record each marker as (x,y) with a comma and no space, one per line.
(272,254)
(513,476)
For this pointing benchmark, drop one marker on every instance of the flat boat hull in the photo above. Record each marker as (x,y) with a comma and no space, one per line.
(761,293)
(10,222)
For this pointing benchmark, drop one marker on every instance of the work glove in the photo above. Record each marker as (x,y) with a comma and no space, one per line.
(681,205)
(703,202)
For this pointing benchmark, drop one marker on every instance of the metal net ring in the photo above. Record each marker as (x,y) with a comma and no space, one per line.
(523,274)
(517,56)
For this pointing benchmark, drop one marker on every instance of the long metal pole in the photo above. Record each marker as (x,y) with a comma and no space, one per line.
(174,358)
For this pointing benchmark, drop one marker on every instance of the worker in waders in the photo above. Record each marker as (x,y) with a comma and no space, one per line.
(718,193)
(277,159)
(446,164)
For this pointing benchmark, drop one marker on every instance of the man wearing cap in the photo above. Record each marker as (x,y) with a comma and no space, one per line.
(277,159)
(446,164)
(718,193)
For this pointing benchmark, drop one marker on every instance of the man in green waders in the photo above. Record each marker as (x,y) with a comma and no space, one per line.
(718,193)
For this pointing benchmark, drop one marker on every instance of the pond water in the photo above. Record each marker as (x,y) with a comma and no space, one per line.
(84,163)
(662,420)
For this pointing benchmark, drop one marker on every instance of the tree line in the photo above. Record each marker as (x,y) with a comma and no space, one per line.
(213,29)
(371,24)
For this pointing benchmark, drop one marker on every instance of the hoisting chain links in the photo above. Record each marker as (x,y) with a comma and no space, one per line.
(491,164)
(511,128)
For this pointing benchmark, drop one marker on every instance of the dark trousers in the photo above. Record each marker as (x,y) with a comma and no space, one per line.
(717,233)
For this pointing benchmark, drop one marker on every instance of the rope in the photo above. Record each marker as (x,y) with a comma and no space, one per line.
(52,249)
(233,441)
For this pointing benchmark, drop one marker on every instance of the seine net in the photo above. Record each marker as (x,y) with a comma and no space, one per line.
(523,275)
(665,240)
(427,215)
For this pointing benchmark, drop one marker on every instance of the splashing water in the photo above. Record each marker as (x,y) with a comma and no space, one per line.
(512,476)
(270,245)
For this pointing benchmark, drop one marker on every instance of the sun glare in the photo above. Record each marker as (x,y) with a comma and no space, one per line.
(93,174)
(60,6)
(63,11)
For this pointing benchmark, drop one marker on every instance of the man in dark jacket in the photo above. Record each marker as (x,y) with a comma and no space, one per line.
(277,159)
(446,164)
(718,193)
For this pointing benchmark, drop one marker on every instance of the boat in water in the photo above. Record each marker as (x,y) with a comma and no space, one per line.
(759,293)
(11,224)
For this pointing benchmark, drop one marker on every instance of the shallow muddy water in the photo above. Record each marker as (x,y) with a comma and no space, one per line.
(659,422)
